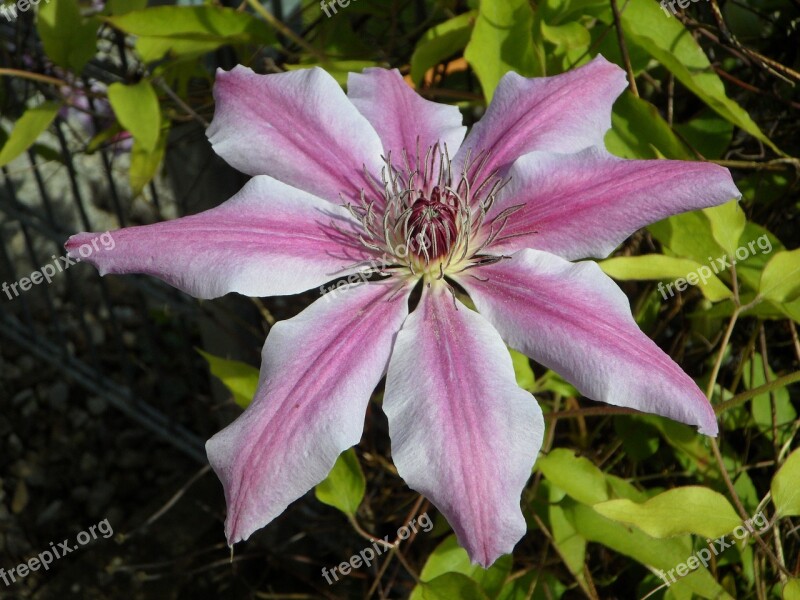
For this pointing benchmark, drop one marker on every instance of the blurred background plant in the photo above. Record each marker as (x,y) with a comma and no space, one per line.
(106,401)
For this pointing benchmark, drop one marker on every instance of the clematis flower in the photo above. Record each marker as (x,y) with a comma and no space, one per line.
(382,178)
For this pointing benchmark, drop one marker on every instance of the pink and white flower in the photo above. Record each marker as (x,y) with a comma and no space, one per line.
(340,181)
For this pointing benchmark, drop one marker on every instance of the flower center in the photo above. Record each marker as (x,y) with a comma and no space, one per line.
(432,223)
(419,219)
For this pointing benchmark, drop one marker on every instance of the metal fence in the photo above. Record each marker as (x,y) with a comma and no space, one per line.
(126,339)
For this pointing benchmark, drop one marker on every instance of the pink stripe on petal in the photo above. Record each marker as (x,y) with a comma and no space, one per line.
(318,372)
(463,433)
(298,127)
(403,119)
(588,203)
(563,113)
(573,318)
(269,239)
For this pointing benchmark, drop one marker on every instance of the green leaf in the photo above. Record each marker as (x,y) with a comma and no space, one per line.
(688,235)
(569,544)
(670,43)
(667,268)
(690,509)
(780,280)
(638,131)
(785,489)
(708,133)
(727,225)
(121,7)
(68,39)
(441,42)
(137,110)
(639,440)
(27,129)
(577,476)
(568,36)
(791,591)
(338,69)
(522,370)
(553,382)
(693,447)
(761,244)
(144,164)
(449,586)
(449,557)
(189,30)
(661,554)
(753,376)
(344,486)
(240,378)
(502,42)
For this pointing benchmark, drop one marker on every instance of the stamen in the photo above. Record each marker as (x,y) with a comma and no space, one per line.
(424,220)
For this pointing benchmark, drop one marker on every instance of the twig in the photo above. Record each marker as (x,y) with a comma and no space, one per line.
(762,389)
(624,48)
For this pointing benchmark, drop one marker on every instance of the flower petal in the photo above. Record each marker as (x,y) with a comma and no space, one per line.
(573,318)
(298,127)
(463,433)
(269,239)
(403,119)
(564,113)
(318,372)
(586,204)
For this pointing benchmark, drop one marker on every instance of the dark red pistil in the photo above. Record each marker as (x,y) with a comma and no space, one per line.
(432,225)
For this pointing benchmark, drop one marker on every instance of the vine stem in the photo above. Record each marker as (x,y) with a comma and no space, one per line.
(743,397)
(270,18)
(33,77)
(715,446)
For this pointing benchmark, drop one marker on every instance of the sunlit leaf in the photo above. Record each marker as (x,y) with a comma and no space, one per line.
(344,486)
(780,280)
(727,225)
(502,42)
(189,30)
(522,370)
(144,164)
(576,475)
(690,509)
(670,269)
(785,488)
(137,110)
(669,42)
(27,129)
(449,586)
(449,557)
(240,378)
(791,590)
(659,554)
